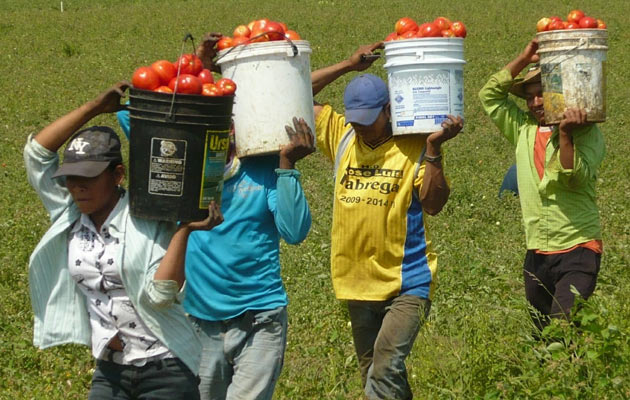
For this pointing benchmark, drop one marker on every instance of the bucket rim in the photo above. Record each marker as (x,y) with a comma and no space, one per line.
(416,63)
(425,39)
(180,114)
(218,126)
(278,47)
(573,32)
(185,98)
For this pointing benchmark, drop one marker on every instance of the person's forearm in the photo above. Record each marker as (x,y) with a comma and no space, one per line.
(566,150)
(53,136)
(517,65)
(172,265)
(435,191)
(323,76)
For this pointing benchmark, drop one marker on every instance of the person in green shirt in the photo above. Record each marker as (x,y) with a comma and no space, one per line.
(557,171)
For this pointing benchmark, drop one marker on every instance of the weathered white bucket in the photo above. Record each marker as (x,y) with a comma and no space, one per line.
(273,81)
(572,64)
(426,82)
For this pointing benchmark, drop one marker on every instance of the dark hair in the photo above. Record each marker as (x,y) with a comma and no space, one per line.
(112,166)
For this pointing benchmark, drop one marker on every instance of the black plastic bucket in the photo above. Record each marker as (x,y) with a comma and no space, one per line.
(177,152)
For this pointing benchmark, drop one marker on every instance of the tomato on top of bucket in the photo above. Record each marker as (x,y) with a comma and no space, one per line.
(257,31)
(407,28)
(186,76)
(576,19)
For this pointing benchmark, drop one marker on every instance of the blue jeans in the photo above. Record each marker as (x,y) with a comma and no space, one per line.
(243,356)
(168,379)
(384,333)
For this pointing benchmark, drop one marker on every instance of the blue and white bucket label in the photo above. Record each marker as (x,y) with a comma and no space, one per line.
(422,98)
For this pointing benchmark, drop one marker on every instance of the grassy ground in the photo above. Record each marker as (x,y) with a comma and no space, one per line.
(477,341)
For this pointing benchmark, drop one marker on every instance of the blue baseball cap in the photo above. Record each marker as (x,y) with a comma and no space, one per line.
(364,98)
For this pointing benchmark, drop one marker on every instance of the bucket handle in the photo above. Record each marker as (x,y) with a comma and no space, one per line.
(293,53)
(170,116)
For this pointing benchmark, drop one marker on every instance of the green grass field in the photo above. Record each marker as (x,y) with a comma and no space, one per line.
(477,342)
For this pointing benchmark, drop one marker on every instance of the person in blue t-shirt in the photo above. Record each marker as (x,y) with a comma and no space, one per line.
(234,291)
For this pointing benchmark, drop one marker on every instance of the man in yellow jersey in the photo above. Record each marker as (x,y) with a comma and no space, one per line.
(382,261)
(557,170)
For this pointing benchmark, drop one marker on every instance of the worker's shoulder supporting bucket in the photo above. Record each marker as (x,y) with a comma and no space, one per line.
(426,82)
(176,160)
(573,72)
(273,82)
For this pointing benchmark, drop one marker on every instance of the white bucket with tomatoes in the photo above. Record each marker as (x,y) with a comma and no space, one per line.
(274,85)
(426,82)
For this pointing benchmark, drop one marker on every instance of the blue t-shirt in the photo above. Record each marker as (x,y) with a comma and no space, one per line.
(235,267)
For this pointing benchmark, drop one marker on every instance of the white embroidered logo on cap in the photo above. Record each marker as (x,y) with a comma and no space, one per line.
(78,145)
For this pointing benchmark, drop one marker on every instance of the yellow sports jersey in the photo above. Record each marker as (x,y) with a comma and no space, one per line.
(379,244)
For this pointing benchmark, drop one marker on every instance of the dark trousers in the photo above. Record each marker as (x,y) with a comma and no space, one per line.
(384,333)
(548,281)
(168,379)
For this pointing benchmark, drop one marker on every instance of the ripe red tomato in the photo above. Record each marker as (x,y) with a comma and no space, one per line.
(187,84)
(572,25)
(575,16)
(145,78)
(292,35)
(224,43)
(206,76)
(210,89)
(163,89)
(227,86)
(239,40)
(588,23)
(429,29)
(258,30)
(274,31)
(408,35)
(556,25)
(459,29)
(241,30)
(555,18)
(391,36)
(284,26)
(543,24)
(443,23)
(448,33)
(261,23)
(601,24)
(165,70)
(189,64)
(405,24)
(250,26)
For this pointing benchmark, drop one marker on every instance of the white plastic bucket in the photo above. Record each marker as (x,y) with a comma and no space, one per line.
(273,85)
(572,64)
(426,82)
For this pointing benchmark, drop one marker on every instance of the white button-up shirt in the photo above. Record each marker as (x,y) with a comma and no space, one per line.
(91,261)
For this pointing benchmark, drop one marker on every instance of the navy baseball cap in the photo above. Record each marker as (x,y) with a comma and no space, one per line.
(90,152)
(364,98)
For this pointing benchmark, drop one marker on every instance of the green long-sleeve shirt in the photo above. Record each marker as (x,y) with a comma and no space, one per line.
(559,210)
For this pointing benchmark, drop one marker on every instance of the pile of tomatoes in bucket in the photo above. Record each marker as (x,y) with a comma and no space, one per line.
(260,30)
(193,78)
(575,20)
(407,28)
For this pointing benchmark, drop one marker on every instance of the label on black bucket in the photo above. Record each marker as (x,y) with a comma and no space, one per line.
(215,154)
(168,163)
